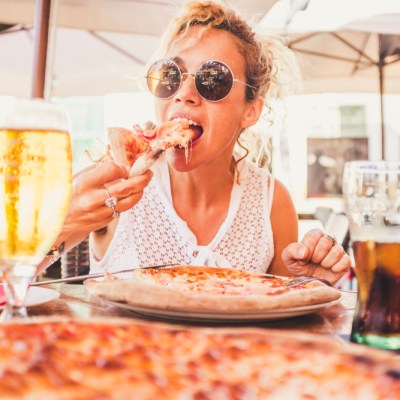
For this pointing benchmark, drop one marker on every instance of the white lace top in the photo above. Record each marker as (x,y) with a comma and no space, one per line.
(151,233)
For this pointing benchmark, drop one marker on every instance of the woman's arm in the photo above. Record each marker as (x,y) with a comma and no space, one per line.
(314,255)
(88,212)
(284,227)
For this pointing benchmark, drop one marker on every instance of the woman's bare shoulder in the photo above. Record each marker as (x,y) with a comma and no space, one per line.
(282,199)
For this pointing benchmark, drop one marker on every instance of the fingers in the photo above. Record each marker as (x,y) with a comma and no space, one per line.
(103,174)
(337,260)
(311,240)
(333,256)
(320,246)
(128,202)
(317,254)
(128,187)
(128,192)
(295,253)
(83,171)
(93,216)
(88,205)
(325,252)
(300,254)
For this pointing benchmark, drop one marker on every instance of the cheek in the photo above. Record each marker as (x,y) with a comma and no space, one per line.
(228,117)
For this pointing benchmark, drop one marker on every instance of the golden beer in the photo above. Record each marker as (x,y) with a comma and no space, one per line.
(377,317)
(35,189)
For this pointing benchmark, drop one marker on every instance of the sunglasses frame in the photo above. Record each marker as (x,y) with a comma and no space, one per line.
(182,76)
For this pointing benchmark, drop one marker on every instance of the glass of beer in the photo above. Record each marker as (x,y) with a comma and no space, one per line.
(35,190)
(372,197)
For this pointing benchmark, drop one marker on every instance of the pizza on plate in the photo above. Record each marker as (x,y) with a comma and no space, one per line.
(140,148)
(126,359)
(196,288)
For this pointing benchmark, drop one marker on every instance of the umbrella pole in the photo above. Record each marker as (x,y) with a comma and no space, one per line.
(41,34)
(381,91)
(381,64)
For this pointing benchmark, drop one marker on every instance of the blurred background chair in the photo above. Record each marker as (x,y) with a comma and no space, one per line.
(337,224)
(322,214)
(75,262)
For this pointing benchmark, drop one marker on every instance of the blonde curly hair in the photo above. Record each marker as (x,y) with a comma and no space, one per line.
(271,66)
(271,71)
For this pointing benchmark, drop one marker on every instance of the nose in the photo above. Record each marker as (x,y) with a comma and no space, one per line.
(188,92)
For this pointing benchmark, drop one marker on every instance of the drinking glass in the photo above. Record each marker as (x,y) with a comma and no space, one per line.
(372,200)
(35,190)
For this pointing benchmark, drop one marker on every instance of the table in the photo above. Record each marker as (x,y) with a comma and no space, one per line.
(75,302)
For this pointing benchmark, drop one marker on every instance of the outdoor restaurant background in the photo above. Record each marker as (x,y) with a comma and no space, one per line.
(298,121)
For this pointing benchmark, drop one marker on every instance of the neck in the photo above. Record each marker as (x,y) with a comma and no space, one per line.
(203,185)
(202,197)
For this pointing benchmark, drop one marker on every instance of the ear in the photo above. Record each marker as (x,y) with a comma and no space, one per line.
(252,112)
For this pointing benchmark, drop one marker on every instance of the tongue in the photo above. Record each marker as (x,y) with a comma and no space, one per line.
(197,131)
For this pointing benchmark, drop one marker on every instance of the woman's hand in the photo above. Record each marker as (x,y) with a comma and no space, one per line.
(87,211)
(317,255)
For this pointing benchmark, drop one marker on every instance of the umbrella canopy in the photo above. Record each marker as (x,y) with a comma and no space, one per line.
(97,47)
(352,53)
(352,61)
(80,62)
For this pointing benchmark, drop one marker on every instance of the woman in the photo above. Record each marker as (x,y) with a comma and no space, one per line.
(213,208)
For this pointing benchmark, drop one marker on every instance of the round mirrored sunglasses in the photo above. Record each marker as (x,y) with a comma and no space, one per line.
(213,80)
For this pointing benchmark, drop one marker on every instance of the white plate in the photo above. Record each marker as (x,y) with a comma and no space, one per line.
(213,316)
(38,295)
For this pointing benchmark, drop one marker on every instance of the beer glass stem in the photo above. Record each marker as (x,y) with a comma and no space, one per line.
(16,281)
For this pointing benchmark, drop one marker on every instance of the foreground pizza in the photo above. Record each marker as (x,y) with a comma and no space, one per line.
(210,289)
(74,359)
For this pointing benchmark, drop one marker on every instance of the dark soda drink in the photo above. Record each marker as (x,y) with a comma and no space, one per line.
(377,317)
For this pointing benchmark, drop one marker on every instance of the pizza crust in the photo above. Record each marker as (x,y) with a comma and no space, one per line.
(141,292)
(126,146)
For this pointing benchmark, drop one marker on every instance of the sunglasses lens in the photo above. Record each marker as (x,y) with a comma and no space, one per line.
(214,80)
(163,79)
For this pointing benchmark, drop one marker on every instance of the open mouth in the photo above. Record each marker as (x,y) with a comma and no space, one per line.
(196,128)
(197,131)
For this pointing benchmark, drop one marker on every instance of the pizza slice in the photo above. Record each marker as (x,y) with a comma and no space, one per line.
(126,145)
(141,147)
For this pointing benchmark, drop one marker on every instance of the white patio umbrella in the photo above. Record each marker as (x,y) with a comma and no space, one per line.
(95,46)
(343,46)
(80,62)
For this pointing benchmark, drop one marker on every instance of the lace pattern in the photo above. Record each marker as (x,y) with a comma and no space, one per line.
(249,244)
(151,233)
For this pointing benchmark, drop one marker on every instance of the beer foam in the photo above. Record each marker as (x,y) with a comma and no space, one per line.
(381,234)
(33,114)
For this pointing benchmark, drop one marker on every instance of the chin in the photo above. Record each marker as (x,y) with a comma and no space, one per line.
(176,159)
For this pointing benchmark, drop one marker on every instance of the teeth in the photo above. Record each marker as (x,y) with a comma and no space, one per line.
(191,122)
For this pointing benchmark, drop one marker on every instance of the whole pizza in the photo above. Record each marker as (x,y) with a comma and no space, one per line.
(126,359)
(214,289)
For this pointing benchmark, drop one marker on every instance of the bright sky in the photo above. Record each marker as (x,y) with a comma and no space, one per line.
(324,14)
